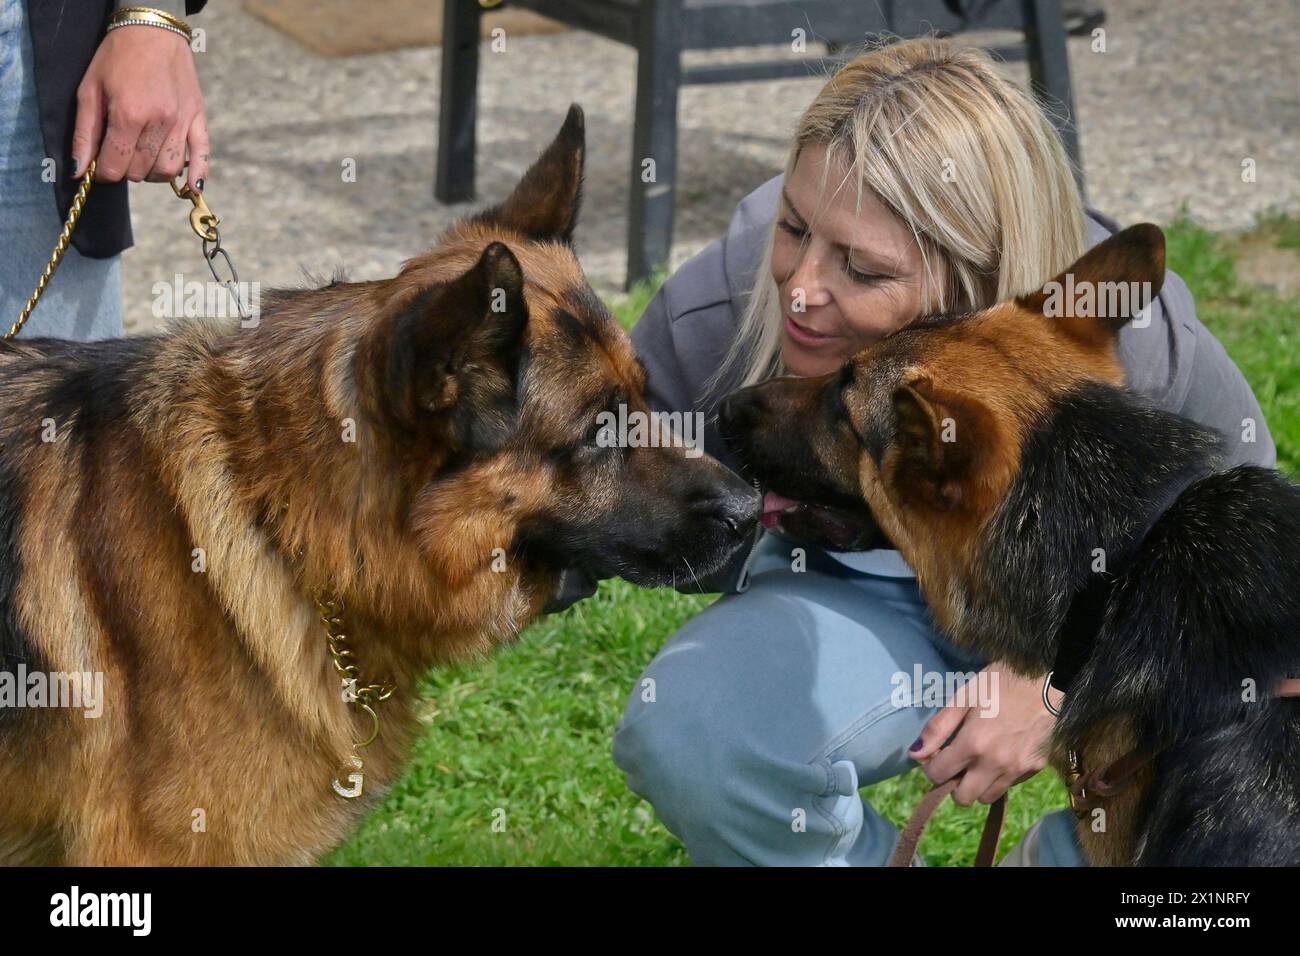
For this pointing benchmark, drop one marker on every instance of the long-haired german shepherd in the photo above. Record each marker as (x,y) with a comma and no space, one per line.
(422,448)
(1053,515)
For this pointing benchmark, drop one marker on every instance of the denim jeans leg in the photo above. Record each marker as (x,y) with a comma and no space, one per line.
(752,730)
(84,298)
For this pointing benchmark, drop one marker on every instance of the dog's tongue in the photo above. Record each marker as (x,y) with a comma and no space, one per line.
(773,505)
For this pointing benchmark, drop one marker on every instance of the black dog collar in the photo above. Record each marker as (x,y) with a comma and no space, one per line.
(1087,608)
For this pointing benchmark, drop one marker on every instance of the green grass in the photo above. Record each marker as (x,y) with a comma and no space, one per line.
(1259,329)
(1280,227)
(528,733)
(523,739)
(629,306)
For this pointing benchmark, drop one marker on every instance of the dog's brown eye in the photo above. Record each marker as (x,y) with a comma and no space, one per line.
(837,409)
(837,406)
(600,439)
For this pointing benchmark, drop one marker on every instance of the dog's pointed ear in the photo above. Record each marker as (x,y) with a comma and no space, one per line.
(491,296)
(1112,283)
(940,445)
(545,203)
(460,339)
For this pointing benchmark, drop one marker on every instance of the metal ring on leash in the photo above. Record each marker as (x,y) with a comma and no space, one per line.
(374,726)
(1047,683)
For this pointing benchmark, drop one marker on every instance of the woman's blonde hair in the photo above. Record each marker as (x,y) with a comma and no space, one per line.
(961,154)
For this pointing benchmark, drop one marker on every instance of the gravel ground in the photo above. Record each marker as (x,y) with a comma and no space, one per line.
(1184,93)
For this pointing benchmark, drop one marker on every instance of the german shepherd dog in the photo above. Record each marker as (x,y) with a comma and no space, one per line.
(1002,455)
(421,448)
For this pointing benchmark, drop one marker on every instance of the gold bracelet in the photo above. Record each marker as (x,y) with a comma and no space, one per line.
(133,11)
(148,16)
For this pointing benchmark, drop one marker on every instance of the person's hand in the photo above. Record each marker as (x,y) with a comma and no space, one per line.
(997,746)
(139,107)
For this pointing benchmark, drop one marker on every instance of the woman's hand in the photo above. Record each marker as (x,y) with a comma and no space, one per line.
(139,107)
(997,746)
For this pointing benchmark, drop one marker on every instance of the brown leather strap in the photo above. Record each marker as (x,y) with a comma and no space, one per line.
(920,819)
(1087,792)
(987,854)
(1091,790)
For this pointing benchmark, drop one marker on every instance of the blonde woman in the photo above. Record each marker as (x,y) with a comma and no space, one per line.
(920,180)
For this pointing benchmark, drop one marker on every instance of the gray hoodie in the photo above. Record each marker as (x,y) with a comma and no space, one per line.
(688,327)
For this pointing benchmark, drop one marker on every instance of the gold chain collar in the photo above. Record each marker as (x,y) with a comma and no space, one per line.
(362,697)
(204,223)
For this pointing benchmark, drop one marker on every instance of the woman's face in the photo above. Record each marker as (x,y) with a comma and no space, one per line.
(846,276)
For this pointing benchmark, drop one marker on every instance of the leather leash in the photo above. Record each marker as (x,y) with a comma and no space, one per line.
(920,819)
(1086,793)
(1089,791)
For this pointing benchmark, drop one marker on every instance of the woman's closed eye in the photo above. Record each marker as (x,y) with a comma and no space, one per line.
(793,228)
(864,278)
(860,276)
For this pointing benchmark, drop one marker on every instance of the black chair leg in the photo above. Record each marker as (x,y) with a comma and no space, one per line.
(658,77)
(1049,73)
(458,111)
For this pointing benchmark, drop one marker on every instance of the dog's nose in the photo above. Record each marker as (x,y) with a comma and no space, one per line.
(735,509)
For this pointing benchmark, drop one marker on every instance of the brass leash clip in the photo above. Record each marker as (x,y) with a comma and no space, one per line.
(1078,795)
(202,219)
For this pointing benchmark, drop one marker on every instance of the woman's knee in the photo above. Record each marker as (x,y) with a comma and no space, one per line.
(802,670)
(670,741)
(734,797)
(694,728)
(736,727)
(718,789)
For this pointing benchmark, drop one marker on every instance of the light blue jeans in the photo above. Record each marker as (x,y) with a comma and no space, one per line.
(753,729)
(84,298)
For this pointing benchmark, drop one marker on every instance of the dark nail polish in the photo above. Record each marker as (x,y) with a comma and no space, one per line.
(916,746)
(75,167)
(198,184)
